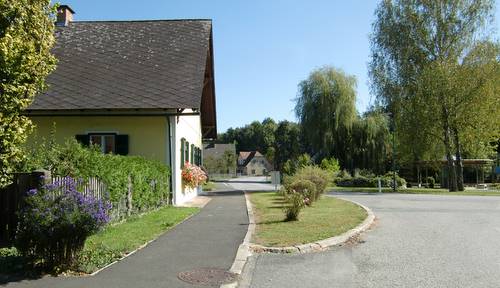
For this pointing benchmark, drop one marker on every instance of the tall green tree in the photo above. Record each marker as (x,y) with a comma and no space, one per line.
(256,136)
(326,110)
(371,140)
(287,144)
(416,46)
(26,37)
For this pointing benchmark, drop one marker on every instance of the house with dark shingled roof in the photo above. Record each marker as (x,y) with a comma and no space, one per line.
(133,88)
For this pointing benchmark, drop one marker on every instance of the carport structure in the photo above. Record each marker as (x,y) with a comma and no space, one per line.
(476,165)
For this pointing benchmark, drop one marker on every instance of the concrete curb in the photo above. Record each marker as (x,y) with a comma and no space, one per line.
(321,244)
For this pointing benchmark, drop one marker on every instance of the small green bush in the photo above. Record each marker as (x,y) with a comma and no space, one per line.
(344,174)
(430,182)
(304,187)
(364,173)
(295,203)
(388,179)
(316,175)
(290,167)
(331,165)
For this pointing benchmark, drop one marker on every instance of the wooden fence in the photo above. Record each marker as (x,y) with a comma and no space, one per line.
(11,197)
(92,187)
(11,201)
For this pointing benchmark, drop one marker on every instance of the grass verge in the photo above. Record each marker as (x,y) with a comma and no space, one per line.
(436,191)
(327,217)
(209,186)
(113,242)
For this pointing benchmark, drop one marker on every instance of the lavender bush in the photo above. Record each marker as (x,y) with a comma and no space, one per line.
(56,221)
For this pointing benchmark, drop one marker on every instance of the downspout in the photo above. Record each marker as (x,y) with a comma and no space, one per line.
(172,161)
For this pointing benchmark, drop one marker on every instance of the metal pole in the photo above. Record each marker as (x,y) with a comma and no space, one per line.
(394,154)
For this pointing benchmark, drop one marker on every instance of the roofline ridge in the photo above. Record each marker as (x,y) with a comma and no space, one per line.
(142,20)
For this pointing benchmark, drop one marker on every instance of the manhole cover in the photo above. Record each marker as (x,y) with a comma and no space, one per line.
(207,276)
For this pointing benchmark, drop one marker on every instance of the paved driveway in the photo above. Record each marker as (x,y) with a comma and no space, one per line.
(418,241)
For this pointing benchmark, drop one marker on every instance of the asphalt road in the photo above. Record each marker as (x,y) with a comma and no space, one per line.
(418,241)
(250,183)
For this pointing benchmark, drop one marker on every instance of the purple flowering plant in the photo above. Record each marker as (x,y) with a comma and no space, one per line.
(56,221)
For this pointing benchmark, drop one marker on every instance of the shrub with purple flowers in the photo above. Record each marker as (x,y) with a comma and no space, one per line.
(56,221)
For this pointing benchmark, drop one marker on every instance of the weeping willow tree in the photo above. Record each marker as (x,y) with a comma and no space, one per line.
(332,127)
(326,110)
(371,140)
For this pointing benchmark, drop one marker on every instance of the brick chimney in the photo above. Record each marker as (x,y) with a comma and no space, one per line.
(64,15)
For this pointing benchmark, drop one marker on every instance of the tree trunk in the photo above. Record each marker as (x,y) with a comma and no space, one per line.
(452,173)
(458,161)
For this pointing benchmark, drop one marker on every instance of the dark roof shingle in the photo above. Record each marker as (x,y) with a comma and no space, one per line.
(128,65)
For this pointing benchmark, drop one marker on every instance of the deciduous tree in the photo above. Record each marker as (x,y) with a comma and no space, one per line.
(418,48)
(26,37)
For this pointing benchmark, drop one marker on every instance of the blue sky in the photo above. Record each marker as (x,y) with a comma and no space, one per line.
(263,48)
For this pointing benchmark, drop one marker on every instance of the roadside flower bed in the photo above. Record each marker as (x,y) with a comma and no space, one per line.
(193,176)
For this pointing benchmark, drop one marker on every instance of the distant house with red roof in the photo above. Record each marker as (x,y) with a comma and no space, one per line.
(253,163)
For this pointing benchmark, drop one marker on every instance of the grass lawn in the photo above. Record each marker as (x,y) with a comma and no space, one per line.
(114,241)
(327,217)
(436,191)
(209,186)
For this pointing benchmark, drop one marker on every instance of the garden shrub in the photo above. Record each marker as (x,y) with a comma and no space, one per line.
(357,181)
(495,186)
(430,181)
(388,179)
(363,173)
(295,203)
(304,187)
(55,223)
(290,167)
(364,181)
(331,165)
(149,178)
(344,174)
(316,175)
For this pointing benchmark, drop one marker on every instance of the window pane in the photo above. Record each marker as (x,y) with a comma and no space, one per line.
(109,144)
(95,140)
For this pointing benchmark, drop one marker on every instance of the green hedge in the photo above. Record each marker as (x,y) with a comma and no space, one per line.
(150,179)
(364,181)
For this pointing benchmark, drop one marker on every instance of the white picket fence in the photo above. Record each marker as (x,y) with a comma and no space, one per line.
(91,187)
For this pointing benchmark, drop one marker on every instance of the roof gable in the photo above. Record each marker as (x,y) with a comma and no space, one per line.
(244,157)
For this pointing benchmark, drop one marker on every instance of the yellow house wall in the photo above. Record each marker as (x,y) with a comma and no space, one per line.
(148,137)
(147,134)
